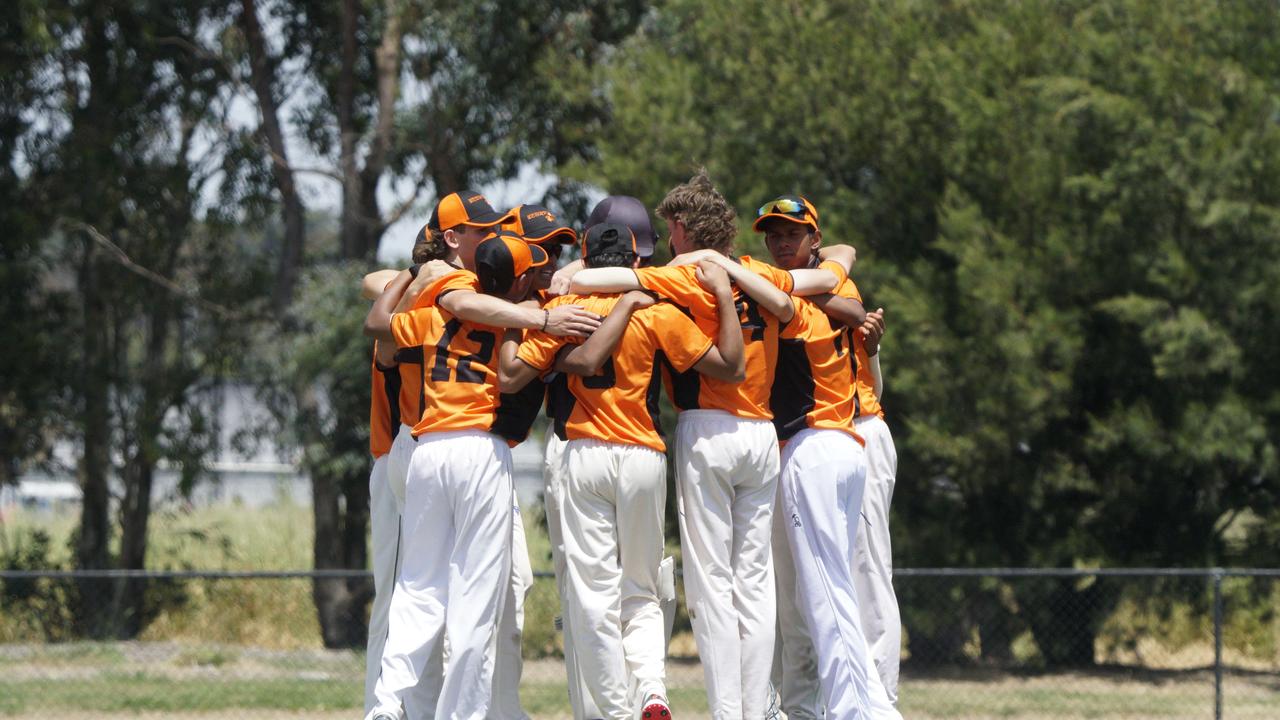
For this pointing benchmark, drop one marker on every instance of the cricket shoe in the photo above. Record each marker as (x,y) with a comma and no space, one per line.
(655,708)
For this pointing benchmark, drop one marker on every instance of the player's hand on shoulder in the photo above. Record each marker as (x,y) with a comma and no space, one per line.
(712,277)
(637,299)
(559,285)
(571,321)
(563,278)
(435,269)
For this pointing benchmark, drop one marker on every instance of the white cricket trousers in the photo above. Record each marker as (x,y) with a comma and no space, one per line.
(510,662)
(384,541)
(873,554)
(612,524)
(386,502)
(726,477)
(823,475)
(555,475)
(457,556)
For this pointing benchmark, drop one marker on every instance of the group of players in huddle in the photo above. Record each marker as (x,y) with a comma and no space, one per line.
(774,373)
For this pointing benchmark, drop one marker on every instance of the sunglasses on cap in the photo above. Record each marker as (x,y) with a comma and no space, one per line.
(783,206)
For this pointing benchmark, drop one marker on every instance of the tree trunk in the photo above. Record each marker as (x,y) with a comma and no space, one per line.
(341,502)
(262,76)
(129,601)
(94,531)
(340,603)
(139,475)
(1065,619)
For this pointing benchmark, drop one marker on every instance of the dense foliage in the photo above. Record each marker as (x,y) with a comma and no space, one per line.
(1070,210)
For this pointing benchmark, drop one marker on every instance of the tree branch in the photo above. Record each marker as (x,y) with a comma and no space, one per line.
(121,257)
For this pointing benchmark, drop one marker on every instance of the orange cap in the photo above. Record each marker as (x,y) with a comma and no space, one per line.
(502,257)
(464,208)
(792,208)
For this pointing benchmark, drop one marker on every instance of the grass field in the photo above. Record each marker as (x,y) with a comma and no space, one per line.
(176,680)
(251,648)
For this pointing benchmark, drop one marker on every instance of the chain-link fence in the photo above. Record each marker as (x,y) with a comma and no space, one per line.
(976,644)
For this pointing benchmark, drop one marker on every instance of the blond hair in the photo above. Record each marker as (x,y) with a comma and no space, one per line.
(709,220)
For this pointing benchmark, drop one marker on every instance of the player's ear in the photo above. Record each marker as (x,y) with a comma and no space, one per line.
(520,288)
(817,238)
(452,240)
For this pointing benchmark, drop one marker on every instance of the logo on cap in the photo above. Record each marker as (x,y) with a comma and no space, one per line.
(464,208)
(537,224)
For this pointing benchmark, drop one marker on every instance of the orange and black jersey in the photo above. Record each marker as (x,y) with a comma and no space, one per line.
(620,403)
(690,390)
(866,403)
(459,360)
(410,398)
(384,414)
(517,411)
(814,385)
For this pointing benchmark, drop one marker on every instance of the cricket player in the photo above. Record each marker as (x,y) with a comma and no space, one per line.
(630,212)
(614,502)
(396,407)
(873,553)
(538,225)
(457,523)
(384,516)
(827,669)
(455,223)
(726,451)
(516,414)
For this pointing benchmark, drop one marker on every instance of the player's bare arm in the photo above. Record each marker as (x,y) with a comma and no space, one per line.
(605,280)
(726,360)
(812,281)
(513,373)
(693,257)
(377,324)
(770,297)
(427,273)
(845,255)
(385,354)
(815,281)
(372,285)
(587,358)
(846,311)
(565,320)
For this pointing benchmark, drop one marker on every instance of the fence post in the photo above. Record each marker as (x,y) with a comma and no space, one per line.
(1217,643)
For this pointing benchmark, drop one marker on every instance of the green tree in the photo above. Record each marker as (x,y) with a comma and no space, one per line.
(1069,211)
(33,397)
(476,114)
(107,185)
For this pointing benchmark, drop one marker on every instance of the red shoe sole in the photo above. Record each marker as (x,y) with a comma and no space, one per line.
(656,712)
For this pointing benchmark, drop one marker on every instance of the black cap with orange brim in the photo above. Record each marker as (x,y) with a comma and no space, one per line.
(503,257)
(792,208)
(464,208)
(537,224)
